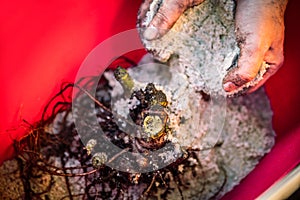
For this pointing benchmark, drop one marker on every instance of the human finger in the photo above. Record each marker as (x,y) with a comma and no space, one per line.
(274,58)
(266,76)
(274,65)
(166,16)
(248,67)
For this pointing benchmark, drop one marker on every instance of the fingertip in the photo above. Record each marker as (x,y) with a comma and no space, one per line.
(235,79)
(164,18)
(151,33)
(229,86)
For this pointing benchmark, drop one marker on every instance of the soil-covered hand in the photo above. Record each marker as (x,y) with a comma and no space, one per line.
(259,31)
(166,16)
(260,35)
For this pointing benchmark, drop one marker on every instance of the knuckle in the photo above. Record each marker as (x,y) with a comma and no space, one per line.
(247,70)
(194,2)
(246,77)
(274,58)
(182,4)
(161,20)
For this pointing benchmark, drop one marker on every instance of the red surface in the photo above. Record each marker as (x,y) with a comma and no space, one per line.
(43,44)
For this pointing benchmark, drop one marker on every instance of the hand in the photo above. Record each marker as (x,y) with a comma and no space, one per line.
(260,35)
(165,18)
(259,32)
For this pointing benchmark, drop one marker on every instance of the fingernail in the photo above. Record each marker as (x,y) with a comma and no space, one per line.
(151,33)
(229,86)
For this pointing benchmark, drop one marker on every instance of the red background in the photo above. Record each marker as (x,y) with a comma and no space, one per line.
(42,45)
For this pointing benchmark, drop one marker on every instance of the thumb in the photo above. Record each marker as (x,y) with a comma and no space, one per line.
(248,67)
(166,16)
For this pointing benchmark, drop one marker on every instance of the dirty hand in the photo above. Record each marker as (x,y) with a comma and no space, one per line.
(259,31)
(260,34)
(166,16)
